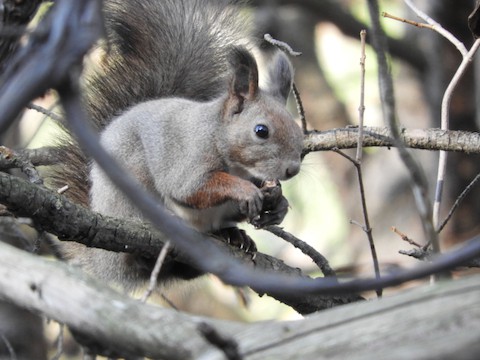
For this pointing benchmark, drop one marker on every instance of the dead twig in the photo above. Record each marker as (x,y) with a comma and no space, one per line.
(156,270)
(21,162)
(405,237)
(410,22)
(458,201)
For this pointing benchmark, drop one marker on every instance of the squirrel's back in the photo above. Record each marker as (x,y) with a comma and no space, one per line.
(154,49)
(175,48)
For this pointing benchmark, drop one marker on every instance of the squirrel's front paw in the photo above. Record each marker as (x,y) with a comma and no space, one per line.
(275,205)
(250,201)
(274,216)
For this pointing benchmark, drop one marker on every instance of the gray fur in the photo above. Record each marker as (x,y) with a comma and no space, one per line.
(171,116)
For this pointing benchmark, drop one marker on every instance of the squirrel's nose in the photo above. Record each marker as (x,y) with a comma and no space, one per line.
(292,170)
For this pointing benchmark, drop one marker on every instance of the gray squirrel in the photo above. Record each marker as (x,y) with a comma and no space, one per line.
(178,103)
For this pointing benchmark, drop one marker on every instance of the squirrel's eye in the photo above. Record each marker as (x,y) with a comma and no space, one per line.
(261,131)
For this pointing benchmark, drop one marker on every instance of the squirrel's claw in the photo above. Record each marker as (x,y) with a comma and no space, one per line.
(238,238)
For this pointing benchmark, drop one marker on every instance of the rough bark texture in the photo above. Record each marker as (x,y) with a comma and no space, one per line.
(427,139)
(429,322)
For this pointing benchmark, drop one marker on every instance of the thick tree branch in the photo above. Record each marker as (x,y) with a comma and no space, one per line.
(118,322)
(341,138)
(38,157)
(426,139)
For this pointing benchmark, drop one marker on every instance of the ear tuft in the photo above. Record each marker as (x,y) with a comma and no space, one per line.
(244,85)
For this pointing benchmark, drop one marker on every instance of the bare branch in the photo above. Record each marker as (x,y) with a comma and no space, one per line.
(17,161)
(405,237)
(366,228)
(156,270)
(300,109)
(406,21)
(281,45)
(445,124)
(361,107)
(317,258)
(426,139)
(458,201)
(46,112)
(435,26)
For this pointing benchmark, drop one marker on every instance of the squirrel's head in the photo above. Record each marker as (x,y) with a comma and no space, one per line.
(261,139)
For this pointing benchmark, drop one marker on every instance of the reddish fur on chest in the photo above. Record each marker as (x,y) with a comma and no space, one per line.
(219,188)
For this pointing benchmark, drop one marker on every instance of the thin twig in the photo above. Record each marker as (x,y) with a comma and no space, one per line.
(46,112)
(156,270)
(458,201)
(300,109)
(168,301)
(410,22)
(435,26)
(405,237)
(427,139)
(361,107)
(358,160)
(320,260)
(366,228)
(281,45)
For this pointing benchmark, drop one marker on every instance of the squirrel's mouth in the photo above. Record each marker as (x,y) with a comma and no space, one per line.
(257,182)
(262,183)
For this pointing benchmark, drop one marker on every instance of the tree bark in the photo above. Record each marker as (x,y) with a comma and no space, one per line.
(414,324)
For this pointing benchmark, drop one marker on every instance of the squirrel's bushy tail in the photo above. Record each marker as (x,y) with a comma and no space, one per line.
(163,48)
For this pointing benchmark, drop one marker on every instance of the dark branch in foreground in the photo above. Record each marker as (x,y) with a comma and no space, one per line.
(15,16)
(55,214)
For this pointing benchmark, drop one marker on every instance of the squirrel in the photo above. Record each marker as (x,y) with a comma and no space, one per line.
(178,103)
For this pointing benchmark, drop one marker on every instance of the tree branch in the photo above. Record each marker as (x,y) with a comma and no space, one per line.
(426,139)
(59,216)
(118,322)
(341,138)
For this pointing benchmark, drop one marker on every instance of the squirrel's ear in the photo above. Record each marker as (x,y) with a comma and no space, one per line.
(280,77)
(244,84)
